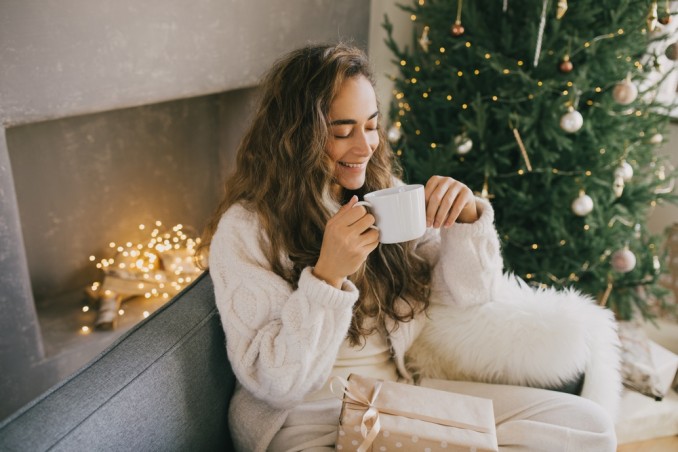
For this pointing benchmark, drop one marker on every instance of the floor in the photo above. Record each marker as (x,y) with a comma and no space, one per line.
(668,444)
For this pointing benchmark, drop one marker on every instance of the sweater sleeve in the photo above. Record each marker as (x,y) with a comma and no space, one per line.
(282,343)
(469,263)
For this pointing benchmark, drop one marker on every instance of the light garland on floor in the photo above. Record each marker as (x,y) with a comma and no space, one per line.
(156,268)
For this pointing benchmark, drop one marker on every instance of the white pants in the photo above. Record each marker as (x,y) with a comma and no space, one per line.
(527,419)
(531,419)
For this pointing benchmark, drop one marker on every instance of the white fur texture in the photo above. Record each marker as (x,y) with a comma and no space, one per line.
(528,337)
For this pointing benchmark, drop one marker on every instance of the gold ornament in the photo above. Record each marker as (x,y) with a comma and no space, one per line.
(562,8)
(618,186)
(523,151)
(424,41)
(458,29)
(652,18)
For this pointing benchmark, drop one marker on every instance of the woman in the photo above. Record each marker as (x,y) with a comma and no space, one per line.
(305,290)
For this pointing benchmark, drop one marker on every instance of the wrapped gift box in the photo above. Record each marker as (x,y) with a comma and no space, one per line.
(409,417)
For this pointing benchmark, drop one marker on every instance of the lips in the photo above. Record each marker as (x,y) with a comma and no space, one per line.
(353,165)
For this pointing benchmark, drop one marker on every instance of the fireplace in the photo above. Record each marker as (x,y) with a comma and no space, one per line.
(84,181)
(115,114)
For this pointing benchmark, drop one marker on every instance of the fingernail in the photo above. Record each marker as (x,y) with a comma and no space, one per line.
(436,224)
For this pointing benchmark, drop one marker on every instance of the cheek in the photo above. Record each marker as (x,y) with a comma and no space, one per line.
(373,140)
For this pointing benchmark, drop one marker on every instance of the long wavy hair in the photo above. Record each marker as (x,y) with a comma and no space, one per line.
(285,175)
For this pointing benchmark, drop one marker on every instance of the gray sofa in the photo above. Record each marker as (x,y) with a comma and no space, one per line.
(164,385)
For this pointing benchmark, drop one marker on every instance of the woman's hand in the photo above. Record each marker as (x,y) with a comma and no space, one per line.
(447,201)
(347,242)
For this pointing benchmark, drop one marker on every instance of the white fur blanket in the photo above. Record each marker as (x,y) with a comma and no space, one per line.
(525,336)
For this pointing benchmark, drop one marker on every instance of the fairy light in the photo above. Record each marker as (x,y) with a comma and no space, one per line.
(540,83)
(403,62)
(85,309)
(158,267)
(460,74)
(437,62)
(449,97)
(464,106)
(85,330)
(433,145)
(417,69)
(442,50)
(506,71)
(468,44)
(413,17)
(488,56)
(476,72)
(495,98)
(520,62)
(146,314)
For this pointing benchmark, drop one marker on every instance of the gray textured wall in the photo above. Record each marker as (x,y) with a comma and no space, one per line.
(59,59)
(68,57)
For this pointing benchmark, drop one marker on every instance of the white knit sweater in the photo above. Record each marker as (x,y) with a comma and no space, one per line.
(282,343)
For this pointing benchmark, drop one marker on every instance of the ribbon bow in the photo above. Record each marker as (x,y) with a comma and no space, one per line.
(370,424)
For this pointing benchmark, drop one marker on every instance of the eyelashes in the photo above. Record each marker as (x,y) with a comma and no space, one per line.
(340,136)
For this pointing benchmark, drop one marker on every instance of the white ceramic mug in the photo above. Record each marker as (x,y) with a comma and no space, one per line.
(400,212)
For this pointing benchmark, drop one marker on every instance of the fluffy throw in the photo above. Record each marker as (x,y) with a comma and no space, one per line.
(525,336)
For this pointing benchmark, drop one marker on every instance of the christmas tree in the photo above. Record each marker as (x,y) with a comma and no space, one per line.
(548,110)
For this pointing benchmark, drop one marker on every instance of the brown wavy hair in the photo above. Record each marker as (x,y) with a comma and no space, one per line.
(284,174)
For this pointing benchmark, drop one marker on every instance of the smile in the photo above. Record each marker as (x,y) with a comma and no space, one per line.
(353,165)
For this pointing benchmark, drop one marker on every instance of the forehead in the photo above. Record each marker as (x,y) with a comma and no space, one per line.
(356,99)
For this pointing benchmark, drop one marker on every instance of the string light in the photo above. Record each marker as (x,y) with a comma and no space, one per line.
(144,268)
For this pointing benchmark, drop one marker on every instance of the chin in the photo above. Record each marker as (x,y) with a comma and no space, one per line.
(352,184)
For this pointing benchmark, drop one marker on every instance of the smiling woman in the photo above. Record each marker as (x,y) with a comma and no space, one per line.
(307,292)
(354,123)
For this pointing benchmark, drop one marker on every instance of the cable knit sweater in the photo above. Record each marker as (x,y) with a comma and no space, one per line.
(282,343)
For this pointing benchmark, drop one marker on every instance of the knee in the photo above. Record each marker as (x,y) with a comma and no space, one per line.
(587,416)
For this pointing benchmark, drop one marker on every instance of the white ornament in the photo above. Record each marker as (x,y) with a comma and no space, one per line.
(625,91)
(624,170)
(657,138)
(571,121)
(582,205)
(623,260)
(618,186)
(393,134)
(463,144)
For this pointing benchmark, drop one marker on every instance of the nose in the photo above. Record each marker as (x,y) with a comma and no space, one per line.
(366,142)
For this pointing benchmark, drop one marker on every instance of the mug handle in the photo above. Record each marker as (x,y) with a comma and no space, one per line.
(366,204)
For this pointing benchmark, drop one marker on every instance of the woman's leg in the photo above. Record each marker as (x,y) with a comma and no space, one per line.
(530,419)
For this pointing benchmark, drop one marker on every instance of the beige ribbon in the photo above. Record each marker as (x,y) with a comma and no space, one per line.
(370,416)
(372,413)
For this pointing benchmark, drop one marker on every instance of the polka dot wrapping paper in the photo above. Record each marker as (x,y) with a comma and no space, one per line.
(383,416)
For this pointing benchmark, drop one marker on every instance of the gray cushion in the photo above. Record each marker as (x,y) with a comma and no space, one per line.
(165,385)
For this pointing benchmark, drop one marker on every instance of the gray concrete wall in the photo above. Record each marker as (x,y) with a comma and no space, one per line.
(75,57)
